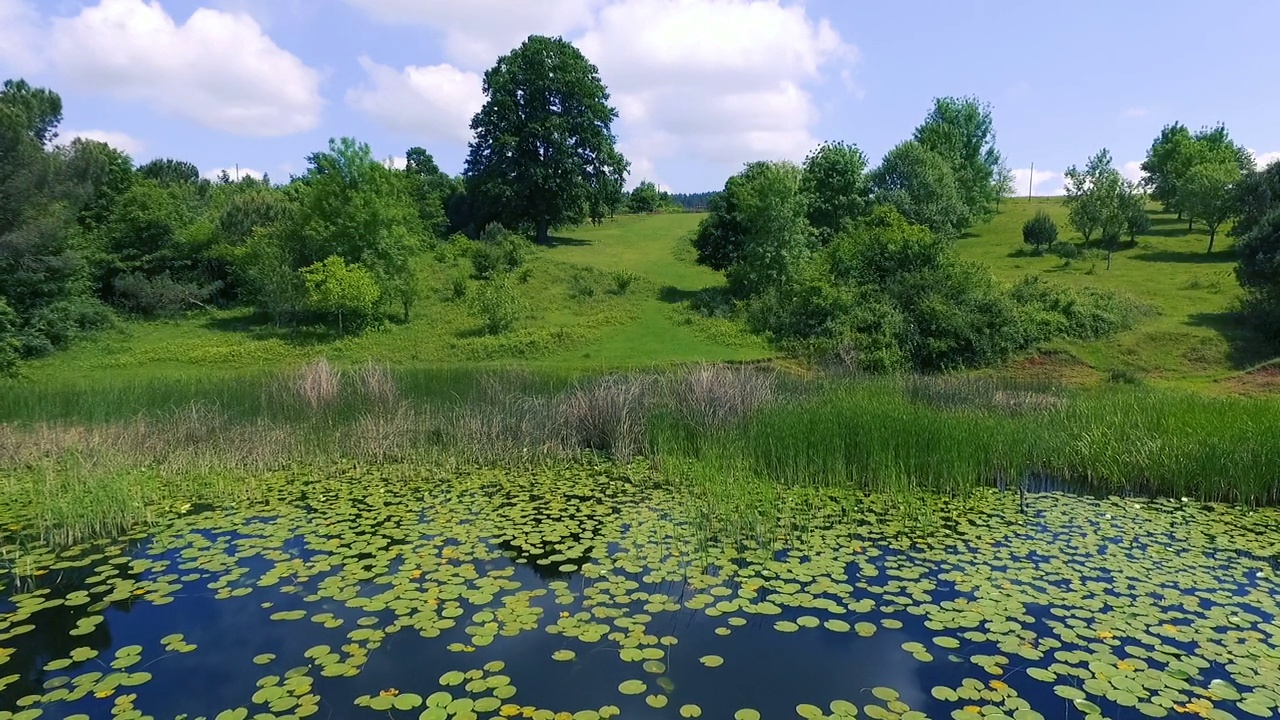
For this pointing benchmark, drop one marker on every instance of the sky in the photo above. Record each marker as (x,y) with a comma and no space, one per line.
(701,86)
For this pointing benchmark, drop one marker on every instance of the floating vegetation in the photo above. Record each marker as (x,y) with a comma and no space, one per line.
(585,594)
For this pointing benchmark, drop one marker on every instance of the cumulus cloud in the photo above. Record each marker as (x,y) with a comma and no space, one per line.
(1043,182)
(19,27)
(233,172)
(476,32)
(1134,112)
(435,102)
(118,140)
(1264,159)
(717,80)
(724,81)
(218,69)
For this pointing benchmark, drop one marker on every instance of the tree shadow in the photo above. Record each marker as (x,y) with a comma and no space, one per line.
(260,326)
(1174,256)
(554,241)
(674,295)
(1246,346)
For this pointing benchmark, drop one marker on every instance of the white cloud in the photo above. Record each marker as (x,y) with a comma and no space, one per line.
(476,32)
(718,80)
(19,28)
(233,172)
(1132,170)
(725,81)
(1134,112)
(218,69)
(433,103)
(117,140)
(1264,159)
(1042,183)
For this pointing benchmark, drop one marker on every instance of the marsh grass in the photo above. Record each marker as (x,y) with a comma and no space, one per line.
(729,432)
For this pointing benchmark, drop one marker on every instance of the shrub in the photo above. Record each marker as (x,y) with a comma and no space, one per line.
(8,340)
(623,280)
(498,251)
(1065,250)
(457,287)
(581,285)
(1040,231)
(160,296)
(348,292)
(498,306)
(1050,309)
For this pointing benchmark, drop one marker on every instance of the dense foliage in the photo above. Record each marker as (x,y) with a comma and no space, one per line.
(1040,231)
(1257,233)
(543,155)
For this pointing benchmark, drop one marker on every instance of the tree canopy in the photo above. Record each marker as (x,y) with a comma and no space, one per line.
(544,152)
(922,186)
(961,131)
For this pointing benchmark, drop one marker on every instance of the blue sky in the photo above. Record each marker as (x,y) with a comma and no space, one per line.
(702,85)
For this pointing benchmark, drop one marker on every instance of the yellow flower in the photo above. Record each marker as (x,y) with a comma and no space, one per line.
(564,614)
(509,710)
(1106,634)
(140,591)
(468,648)
(999,685)
(1126,665)
(389,692)
(564,716)
(104,693)
(973,709)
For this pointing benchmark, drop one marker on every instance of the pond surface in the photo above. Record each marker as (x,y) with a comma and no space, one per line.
(581,595)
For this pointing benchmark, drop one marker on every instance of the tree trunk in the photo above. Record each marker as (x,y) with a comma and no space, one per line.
(1189,221)
(1213,232)
(542,230)
(1109,249)
(1179,214)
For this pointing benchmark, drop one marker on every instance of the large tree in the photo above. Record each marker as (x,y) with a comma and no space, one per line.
(543,155)
(1167,159)
(835,186)
(960,130)
(1099,199)
(922,186)
(37,112)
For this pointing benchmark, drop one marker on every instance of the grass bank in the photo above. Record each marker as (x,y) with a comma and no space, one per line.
(80,461)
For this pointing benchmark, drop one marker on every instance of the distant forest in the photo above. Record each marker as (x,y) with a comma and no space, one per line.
(694,201)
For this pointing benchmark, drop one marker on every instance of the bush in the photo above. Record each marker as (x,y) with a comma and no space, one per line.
(498,306)
(623,280)
(1050,309)
(8,340)
(1065,250)
(160,296)
(498,251)
(1040,231)
(581,285)
(457,288)
(348,292)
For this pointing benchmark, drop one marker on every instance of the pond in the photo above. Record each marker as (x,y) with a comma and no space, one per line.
(585,594)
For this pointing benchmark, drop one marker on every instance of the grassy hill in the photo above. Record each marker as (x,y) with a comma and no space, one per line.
(1193,339)
(574,319)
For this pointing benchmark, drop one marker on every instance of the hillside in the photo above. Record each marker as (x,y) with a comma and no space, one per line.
(1193,339)
(574,319)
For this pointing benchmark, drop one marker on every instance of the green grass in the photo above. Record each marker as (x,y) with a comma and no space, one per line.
(1193,341)
(645,326)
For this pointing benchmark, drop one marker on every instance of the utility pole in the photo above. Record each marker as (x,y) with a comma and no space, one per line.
(237,172)
(1031,181)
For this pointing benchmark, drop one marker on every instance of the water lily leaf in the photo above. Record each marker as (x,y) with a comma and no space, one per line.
(632,687)
(711,661)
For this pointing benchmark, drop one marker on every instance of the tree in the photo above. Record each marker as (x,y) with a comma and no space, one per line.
(1167,160)
(776,237)
(1040,231)
(960,130)
(1004,184)
(1100,199)
(336,288)
(168,171)
(430,188)
(36,112)
(1208,194)
(645,198)
(835,187)
(1136,221)
(922,186)
(544,145)
(96,176)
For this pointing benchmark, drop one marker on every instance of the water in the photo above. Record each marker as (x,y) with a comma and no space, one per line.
(400,578)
